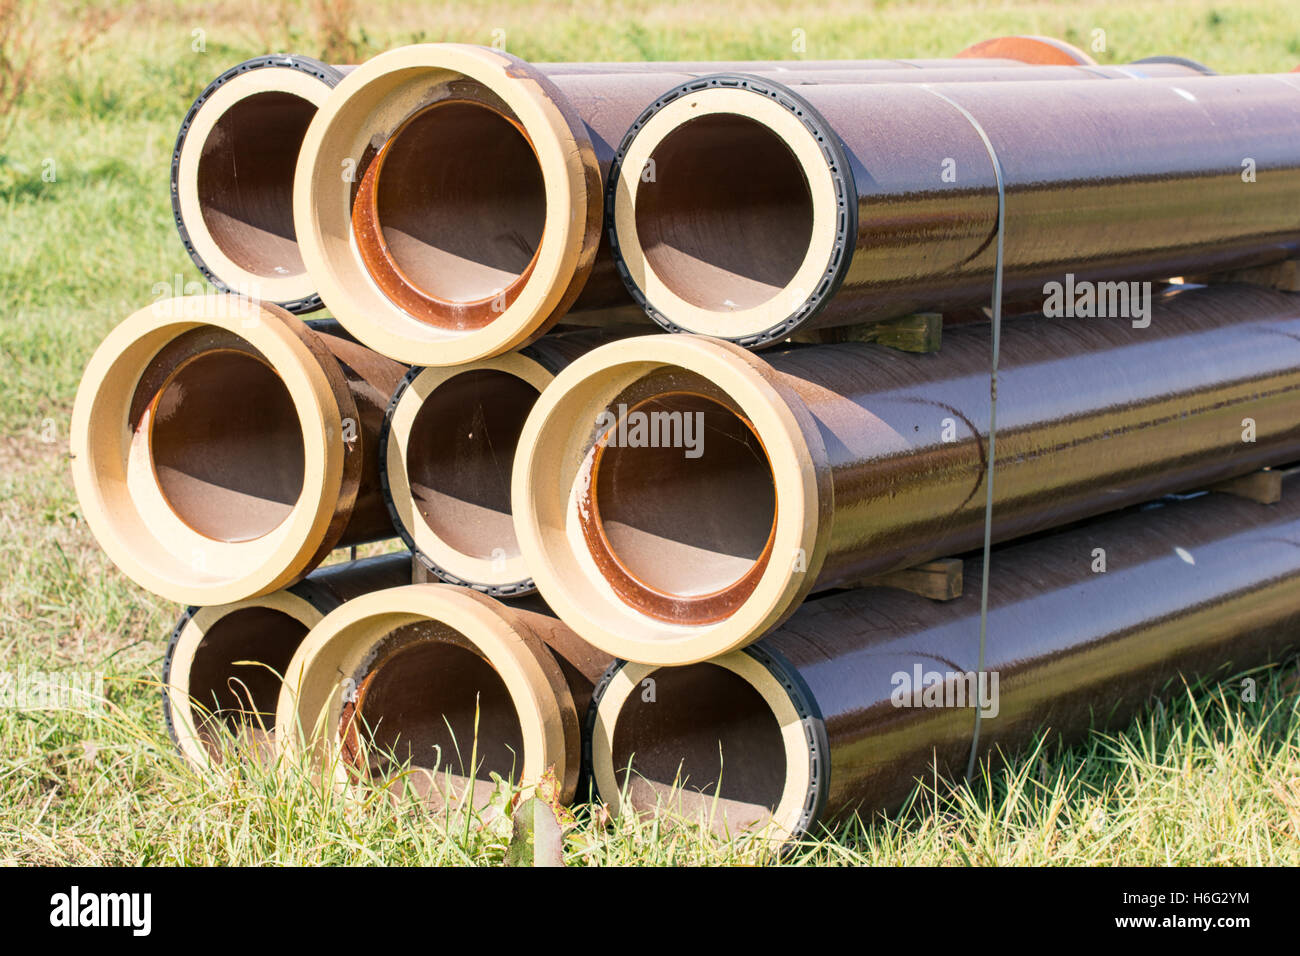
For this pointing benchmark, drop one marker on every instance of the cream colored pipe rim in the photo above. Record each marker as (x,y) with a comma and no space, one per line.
(798,776)
(546,485)
(364,109)
(288,288)
(192,634)
(821,187)
(310,707)
(467,567)
(114,478)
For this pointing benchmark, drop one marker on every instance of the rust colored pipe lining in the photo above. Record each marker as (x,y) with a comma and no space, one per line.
(221,448)
(446,451)
(469,218)
(822,466)
(224,664)
(232,176)
(864,202)
(406,675)
(818,719)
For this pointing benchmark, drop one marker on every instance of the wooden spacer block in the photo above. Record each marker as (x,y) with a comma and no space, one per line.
(1282,276)
(1262,486)
(939,580)
(919,332)
(420,574)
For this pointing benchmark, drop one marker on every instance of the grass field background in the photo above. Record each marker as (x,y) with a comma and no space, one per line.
(1202,777)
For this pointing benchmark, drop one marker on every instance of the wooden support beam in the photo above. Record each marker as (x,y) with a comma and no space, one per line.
(1262,486)
(420,574)
(939,580)
(1282,276)
(919,332)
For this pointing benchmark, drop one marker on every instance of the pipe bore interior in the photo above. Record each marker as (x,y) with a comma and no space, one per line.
(683,505)
(460,206)
(419,704)
(460,452)
(226,445)
(245,181)
(708,733)
(236,669)
(726,221)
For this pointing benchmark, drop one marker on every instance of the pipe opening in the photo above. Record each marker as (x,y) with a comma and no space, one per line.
(420,705)
(460,204)
(459,457)
(707,734)
(245,182)
(226,445)
(726,221)
(241,697)
(682,507)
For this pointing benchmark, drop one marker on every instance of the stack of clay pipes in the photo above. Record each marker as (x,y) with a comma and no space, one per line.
(733,572)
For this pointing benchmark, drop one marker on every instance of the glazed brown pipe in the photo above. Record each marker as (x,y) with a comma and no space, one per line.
(1201,588)
(430,672)
(1093,415)
(225,663)
(1194,174)
(222,448)
(232,176)
(611,118)
(866,460)
(372,379)
(446,450)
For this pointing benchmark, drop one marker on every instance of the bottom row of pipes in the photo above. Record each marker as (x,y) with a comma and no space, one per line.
(842,709)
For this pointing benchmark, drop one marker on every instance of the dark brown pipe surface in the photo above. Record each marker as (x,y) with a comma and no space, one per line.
(1093,415)
(372,379)
(1196,588)
(1193,174)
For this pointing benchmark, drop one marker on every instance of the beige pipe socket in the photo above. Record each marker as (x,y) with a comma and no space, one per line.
(611,576)
(543,187)
(404,674)
(221,448)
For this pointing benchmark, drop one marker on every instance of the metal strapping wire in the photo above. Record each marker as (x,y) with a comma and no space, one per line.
(993,413)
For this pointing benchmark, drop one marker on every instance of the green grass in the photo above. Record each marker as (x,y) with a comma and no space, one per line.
(1202,778)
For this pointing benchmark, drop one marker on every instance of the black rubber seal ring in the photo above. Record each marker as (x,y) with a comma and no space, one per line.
(810,716)
(168,657)
(512,590)
(837,162)
(305,64)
